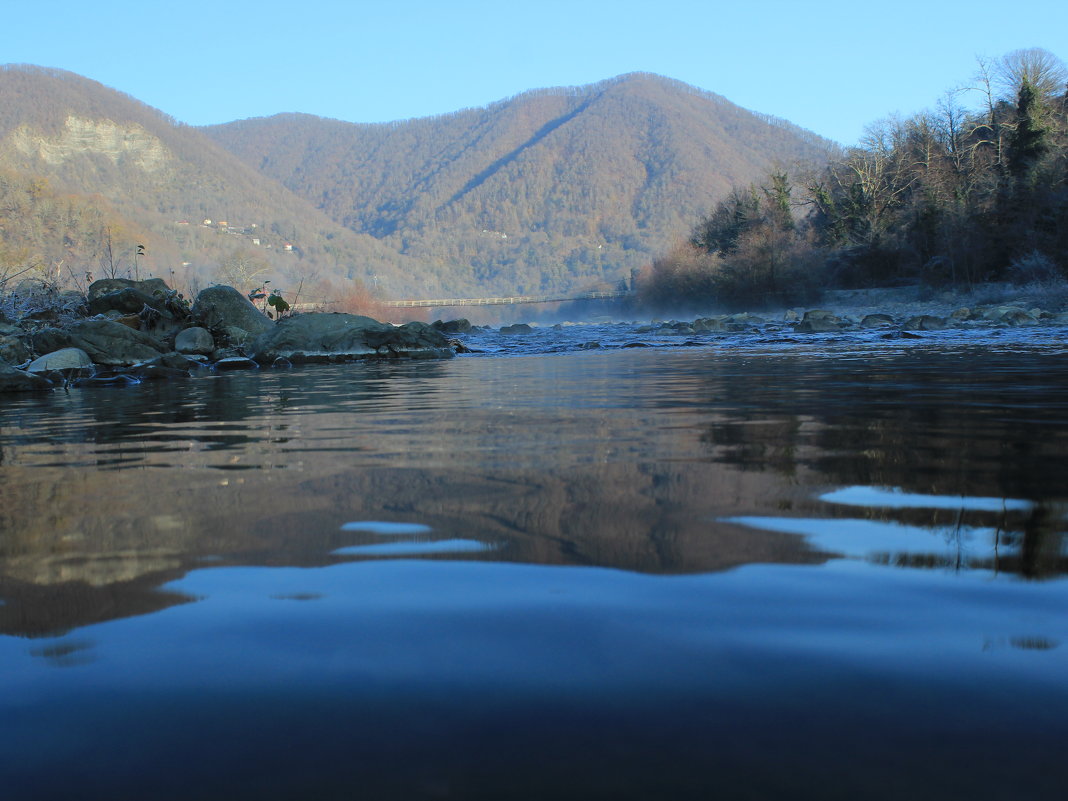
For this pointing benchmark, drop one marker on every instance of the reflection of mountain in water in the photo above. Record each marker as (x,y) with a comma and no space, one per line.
(628,460)
(106,542)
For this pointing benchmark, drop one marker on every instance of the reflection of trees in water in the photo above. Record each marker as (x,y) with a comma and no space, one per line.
(1032,544)
(1041,546)
(945,425)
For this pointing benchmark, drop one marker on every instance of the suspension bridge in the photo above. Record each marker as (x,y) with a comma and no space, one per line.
(506,301)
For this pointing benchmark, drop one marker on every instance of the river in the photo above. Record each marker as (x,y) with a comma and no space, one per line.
(585,563)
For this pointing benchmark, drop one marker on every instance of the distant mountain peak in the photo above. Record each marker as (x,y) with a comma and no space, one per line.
(586,182)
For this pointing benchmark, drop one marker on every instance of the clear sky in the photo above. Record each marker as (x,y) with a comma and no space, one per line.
(831,67)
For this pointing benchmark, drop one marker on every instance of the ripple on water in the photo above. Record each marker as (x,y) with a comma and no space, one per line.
(386,528)
(896,498)
(413,548)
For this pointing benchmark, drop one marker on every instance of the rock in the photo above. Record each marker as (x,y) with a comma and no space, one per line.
(13,350)
(819,321)
(704,325)
(48,340)
(107,286)
(194,340)
(876,320)
(127,300)
(817,325)
(236,363)
(113,344)
(791,316)
(65,359)
(190,364)
(677,329)
(343,337)
(144,305)
(924,322)
(218,307)
(820,314)
(458,326)
(1009,315)
(961,314)
(1016,316)
(15,380)
(170,365)
(518,328)
(745,319)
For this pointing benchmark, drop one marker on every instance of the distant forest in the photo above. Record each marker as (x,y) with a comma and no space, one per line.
(953,196)
(551,190)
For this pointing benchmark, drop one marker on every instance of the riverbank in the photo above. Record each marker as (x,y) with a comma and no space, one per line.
(917,300)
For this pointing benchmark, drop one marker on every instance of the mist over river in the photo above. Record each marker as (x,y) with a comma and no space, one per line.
(588,562)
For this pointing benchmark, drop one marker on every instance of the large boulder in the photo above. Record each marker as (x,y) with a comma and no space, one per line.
(14,380)
(47,340)
(343,337)
(127,297)
(112,343)
(107,286)
(819,321)
(459,326)
(145,305)
(876,320)
(704,325)
(219,307)
(517,328)
(65,359)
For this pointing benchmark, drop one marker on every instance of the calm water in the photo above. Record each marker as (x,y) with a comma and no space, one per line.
(738,568)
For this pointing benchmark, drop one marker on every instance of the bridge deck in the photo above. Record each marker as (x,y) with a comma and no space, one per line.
(508,301)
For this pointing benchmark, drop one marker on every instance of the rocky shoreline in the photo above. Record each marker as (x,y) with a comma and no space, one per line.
(125,331)
(845,311)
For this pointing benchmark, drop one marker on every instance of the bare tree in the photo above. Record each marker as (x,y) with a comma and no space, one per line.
(1046,74)
(241,270)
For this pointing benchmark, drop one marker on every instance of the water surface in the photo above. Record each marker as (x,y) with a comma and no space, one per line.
(734,567)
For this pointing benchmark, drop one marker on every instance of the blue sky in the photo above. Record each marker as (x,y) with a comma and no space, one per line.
(832,67)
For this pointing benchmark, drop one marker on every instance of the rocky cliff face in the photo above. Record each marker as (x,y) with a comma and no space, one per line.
(122,144)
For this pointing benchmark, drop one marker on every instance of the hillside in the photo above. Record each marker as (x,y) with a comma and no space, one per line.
(87,173)
(550,190)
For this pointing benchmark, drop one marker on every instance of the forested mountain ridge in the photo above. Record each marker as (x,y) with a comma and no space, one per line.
(546,191)
(551,190)
(87,173)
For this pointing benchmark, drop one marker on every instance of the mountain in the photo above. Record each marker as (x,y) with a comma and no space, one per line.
(88,173)
(549,190)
